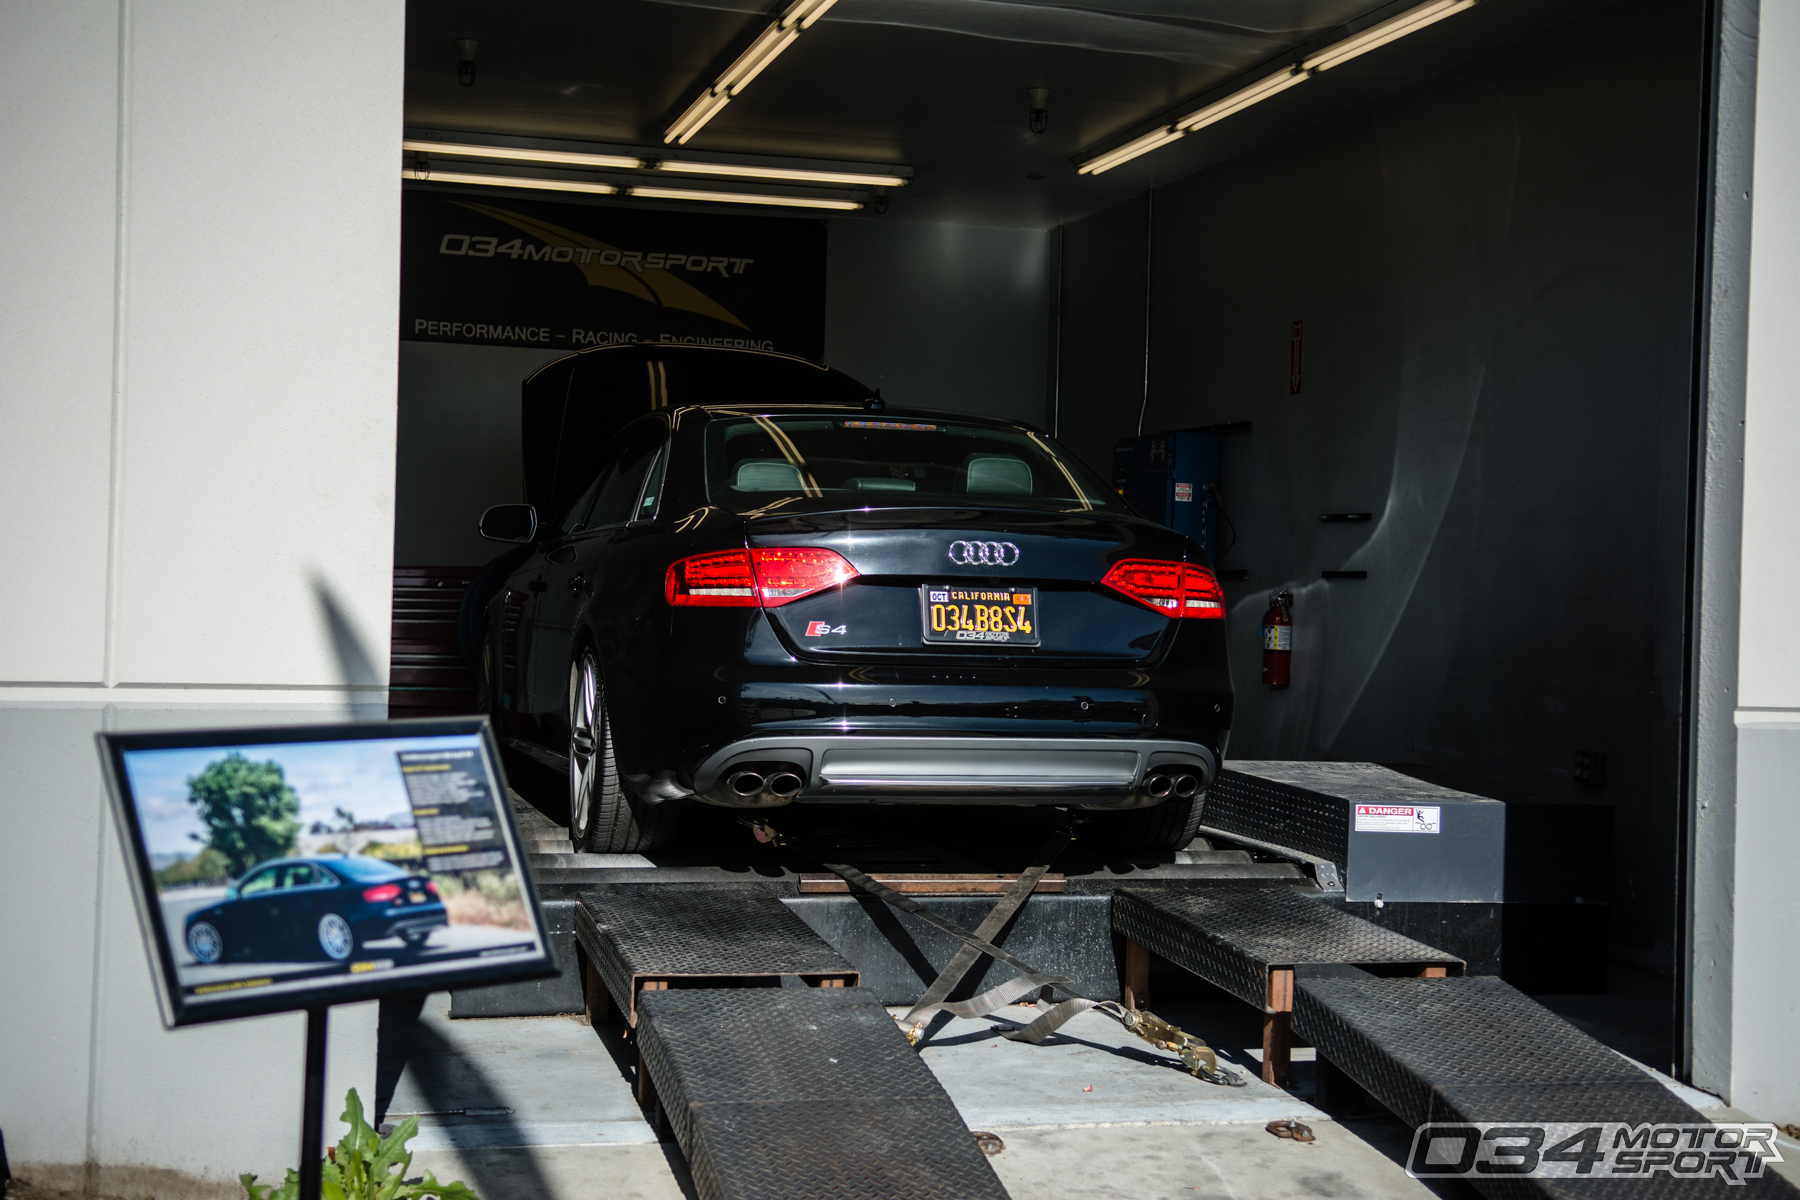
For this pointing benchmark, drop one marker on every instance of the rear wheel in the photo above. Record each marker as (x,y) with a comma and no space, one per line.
(1168,826)
(603,817)
(335,937)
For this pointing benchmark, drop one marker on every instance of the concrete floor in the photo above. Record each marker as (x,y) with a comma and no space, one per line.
(524,1108)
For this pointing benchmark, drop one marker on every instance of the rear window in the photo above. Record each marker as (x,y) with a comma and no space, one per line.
(364,869)
(798,463)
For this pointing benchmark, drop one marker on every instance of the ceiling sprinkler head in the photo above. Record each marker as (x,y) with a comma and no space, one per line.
(465,61)
(1039,116)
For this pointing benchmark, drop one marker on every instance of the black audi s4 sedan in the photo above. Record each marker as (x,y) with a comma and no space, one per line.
(760,605)
(298,908)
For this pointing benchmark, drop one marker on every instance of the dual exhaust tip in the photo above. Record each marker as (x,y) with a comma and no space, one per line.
(769,782)
(1180,785)
(755,784)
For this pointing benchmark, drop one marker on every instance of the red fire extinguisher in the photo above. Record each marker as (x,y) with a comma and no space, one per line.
(1278,639)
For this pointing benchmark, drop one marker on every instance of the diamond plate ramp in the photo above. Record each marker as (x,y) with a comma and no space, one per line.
(719,935)
(1477,1049)
(804,1092)
(1233,936)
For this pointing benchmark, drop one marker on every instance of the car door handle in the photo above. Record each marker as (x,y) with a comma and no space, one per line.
(536,585)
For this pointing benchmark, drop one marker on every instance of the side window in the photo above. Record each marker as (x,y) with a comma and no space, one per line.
(618,499)
(575,518)
(646,506)
(298,876)
(262,881)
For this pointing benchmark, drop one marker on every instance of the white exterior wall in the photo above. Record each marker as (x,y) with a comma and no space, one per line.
(198,299)
(1765,910)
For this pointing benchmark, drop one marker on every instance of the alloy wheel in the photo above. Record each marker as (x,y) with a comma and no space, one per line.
(335,938)
(204,942)
(584,704)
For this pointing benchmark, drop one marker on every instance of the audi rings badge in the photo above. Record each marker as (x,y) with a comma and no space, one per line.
(983,554)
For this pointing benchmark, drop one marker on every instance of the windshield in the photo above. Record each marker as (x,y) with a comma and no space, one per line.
(758,465)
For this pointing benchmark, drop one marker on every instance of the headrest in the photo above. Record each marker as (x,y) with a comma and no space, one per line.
(995,473)
(767,475)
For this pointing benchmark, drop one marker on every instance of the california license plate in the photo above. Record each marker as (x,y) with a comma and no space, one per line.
(1004,616)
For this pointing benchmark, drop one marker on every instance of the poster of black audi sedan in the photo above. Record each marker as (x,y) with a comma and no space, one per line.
(753,605)
(295,907)
(280,868)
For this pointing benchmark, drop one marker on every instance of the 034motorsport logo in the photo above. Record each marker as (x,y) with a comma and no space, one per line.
(1733,1152)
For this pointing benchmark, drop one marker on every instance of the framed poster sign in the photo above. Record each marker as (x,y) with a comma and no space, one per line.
(301,866)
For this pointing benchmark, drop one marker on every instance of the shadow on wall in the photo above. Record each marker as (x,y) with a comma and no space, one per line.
(356,666)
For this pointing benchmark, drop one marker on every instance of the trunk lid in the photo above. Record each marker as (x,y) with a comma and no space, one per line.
(1045,567)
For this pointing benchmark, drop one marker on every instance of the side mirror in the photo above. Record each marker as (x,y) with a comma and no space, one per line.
(231,893)
(509,523)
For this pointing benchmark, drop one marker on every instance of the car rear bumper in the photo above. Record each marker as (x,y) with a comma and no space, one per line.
(1096,773)
(417,920)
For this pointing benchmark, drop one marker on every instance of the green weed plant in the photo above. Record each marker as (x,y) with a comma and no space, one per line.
(364,1166)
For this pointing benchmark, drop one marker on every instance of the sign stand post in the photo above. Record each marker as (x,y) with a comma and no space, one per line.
(312,1111)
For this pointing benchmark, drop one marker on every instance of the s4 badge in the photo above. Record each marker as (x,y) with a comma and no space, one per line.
(821,628)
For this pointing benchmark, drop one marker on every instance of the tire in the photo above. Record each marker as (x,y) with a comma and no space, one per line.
(1170,825)
(603,817)
(336,939)
(486,674)
(205,943)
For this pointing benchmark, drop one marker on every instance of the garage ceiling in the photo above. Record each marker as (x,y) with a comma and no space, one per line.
(939,85)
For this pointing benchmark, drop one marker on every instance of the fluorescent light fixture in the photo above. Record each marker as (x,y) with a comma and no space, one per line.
(1130,150)
(1410,21)
(1243,98)
(788,174)
(516,154)
(510,181)
(795,19)
(662,193)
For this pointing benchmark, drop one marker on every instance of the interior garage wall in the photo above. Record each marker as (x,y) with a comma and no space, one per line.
(196,393)
(1494,270)
(1102,351)
(955,317)
(952,317)
(458,447)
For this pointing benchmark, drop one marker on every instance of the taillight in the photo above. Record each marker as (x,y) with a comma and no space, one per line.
(712,580)
(431,887)
(783,575)
(746,578)
(381,893)
(1172,589)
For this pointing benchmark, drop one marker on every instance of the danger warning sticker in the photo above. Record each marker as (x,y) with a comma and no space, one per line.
(1397,818)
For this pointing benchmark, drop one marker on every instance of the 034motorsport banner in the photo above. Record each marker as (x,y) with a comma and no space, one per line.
(504,272)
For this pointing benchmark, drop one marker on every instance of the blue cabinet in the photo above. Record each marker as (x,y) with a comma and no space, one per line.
(1173,478)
